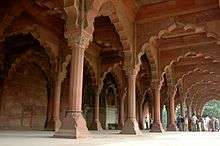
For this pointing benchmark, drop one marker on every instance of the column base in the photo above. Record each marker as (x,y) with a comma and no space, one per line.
(131,127)
(96,125)
(120,126)
(157,127)
(171,127)
(53,124)
(73,126)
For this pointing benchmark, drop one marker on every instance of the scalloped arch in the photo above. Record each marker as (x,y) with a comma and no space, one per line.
(150,44)
(35,31)
(109,10)
(113,70)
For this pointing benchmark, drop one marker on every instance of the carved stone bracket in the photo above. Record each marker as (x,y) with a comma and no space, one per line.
(62,74)
(79,38)
(129,65)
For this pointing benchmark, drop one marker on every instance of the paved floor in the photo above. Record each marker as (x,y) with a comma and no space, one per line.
(110,138)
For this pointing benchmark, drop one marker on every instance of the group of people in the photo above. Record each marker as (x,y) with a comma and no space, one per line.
(197,123)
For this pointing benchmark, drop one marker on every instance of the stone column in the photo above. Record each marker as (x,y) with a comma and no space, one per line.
(96,125)
(141,117)
(121,115)
(157,125)
(189,115)
(131,125)
(189,110)
(49,108)
(74,124)
(182,108)
(55,122)
(172,124)
(168,115)
(184,114)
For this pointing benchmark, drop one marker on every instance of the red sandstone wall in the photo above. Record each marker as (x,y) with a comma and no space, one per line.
(24,100)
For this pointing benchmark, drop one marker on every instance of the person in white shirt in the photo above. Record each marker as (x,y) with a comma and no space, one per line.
(206,123)
(194,122)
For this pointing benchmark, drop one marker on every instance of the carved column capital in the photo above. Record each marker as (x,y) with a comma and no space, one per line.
(155,84)
(78,38)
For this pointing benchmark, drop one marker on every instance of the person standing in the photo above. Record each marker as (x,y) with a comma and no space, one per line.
(194,123)
(178,120)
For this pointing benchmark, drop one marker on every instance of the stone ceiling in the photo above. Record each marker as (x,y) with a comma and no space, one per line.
(147,2)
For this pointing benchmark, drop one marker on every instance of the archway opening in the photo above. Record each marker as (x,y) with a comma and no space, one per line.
(143,88)
(89,93)
(164,117)
(109,103)
(26,84)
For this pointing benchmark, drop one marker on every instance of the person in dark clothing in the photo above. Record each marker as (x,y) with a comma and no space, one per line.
(178,120)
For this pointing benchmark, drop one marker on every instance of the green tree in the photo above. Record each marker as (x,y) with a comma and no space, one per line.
(212,109)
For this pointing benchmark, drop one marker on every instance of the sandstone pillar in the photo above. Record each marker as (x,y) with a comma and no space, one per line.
(172,124)
(189,115)
(131,125)
(50,89)
(182,108)
(96,125)
(55,122)
(157,125)
(74,124)
(122,108)
(189,110)
(121,114)
(141,118)
(183,113)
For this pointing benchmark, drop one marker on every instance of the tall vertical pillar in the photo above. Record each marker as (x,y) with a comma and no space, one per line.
(96,125)
(182,108)
(55,122)
(189,115)
(131,125)
(74,124)
(141,117)
(50,109)
(183,113)
(157,125)
(189,110)
(122,112)
(172,124)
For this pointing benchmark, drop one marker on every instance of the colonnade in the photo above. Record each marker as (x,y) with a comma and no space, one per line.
(74,124)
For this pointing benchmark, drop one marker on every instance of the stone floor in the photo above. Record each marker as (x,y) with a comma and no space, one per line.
(110,138)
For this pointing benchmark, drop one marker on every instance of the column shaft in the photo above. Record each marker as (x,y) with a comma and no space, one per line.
(172,123)
(74,124)
(54,123)
(121,115)
(131,125)
(157,125)
(96,125)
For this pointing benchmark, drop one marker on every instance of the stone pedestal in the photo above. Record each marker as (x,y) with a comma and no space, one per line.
(131,125)
(171,127)
(53,124)
(157,127)
(96,125)
(73,126)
